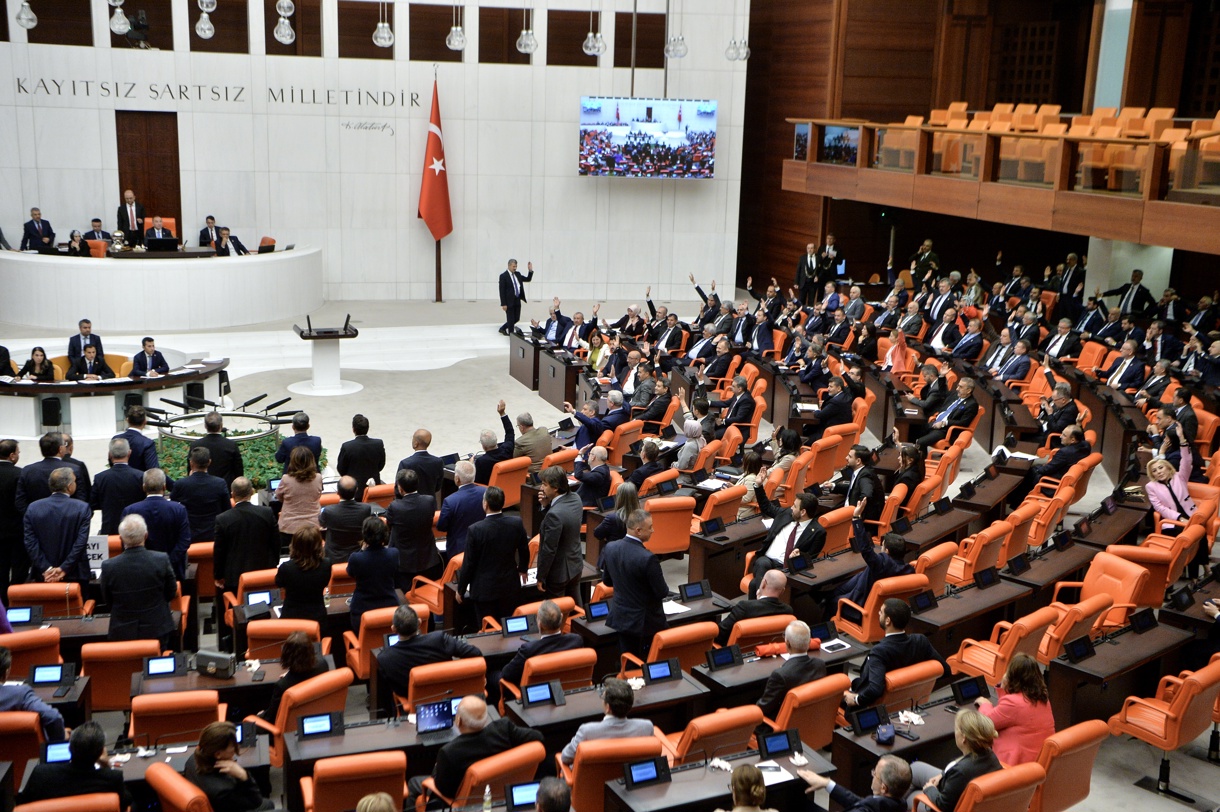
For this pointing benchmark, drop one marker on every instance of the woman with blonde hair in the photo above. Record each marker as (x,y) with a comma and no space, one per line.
(749,789)
(1022,715)
(377,802)
(974,734)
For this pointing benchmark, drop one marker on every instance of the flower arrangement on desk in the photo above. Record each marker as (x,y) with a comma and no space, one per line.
(257,454)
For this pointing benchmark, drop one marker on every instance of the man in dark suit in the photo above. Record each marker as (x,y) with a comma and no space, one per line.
(925,263)
(33,483)
(204,496)
(427,466)
(130,219)
(743,325)
(226,455)
(1073,450)
(793,532)
(361,457)
(649,464)
(943,335)
(1093,318)
(1127,371)
(798,670)
(497,451)
(835,410)
(143,450)
(634,572)
(138,584)
(85,338)
(478,738)
(1158,344)
(840,329)
(409,518)
(87,772)
(1155,386)
(554,327)
(56,531)
(876,566)
(939,302)
(1133,298)
(343,522)
(247,538)
(149,362)
(1029,330)
(703,349)
(970,346)
(89,367)
(461,509)
(209,233)
(229,246)
(897,649)
(14,564)
(773,584)
(911,321)
(169,526)
(959,411)
(38,234)
(512,294)
(738,410)
(96,232)
(84,485)
(550,638)
(807,274)
(1070,289)
(1016,368)
(116,487)
(594,476)
(497,559)
(300,436)
(1184,413)
(17,696)
(1063,343)
(891,779)
(1204,319)
(395,662)
(934,392)
(858,481)
(560,561)
(1057,412)
(158,231)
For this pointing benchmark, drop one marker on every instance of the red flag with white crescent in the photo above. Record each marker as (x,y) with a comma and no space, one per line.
(434,191)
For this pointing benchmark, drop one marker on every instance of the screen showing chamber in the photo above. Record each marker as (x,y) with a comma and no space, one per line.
(647,138)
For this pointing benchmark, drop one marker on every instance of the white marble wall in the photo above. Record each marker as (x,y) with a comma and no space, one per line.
(294,172)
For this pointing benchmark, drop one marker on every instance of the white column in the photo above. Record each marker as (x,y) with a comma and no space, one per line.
(1112,59)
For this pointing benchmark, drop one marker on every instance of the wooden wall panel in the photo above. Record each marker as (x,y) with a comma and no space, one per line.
(885,187)
(1111,218)
(1018,205)
(426,31)
(963,65)
(948,195)
(888,58)
(1156,53)
(62,22)
(1193,228)
(148,164)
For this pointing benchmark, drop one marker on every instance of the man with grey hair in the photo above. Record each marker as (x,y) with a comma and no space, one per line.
(493,450)
(460,509)
(617,701)
(799,669)
(560,560)
(533,441)
(1065,343)
(116,487)
(56,531)
(478,738)
(138,584)
(738,410)
(343,521)
(551,638)
(634,571)
(169,526)
(594,475)
(891,779)
(1057,412)
(554,795)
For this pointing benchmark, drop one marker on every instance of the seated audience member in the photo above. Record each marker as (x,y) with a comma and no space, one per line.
(701,410)
(654,411)
(18,696)
(794,532)
(910,468)
(410,518)
(96,232)
(361,457)
(372,567)
(751,464)
(555,326)
(797,670)
(645,386)
(1064,343)
(551,638)
(835,410)
(689,453)
(718,365)
(554,795)
(649,464)
(1057,412)
(478,738)
(300,437)
(593,473)
(959,411)
(532,441)
(896,361)
(460,509)
(149,362)
(891,779)
(1022,715)
(77,246)
(614,526)
(304,577)
(975,734)
(300,662)
(229,246)
(395,662)
(158,231)
(1155,386)
(204,496)
(945,335)
(138,585)
(214,769)
(39,368)
(1016,368)
(876,566)
(493,450)
(1074,449)
(749,790)
(617,701)
(343,521)
(116,487)
(169,525)
(497,559)
(1127,371)
(87,771)
(934,392)
(897,649)
(89,367)
(209,234)
(737,411)
(970,346)
(377,802)
(772,586)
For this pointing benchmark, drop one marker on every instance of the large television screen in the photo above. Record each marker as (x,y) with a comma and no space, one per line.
(647,138)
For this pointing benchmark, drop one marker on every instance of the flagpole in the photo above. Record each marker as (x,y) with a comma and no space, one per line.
(438,283)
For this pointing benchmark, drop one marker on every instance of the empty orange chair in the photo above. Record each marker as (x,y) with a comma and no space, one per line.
(990,658)
(671,518)
(21,739)
(109,667)
(837,524)
(379,494)
(173,717)
(264,638)
(432,593)
(514,766)
(1006,790)
(978,552)
(1164,557)
(1176,716)
(726,731)
(625,435)
(1077,621)
(200,554)
(574,669)
(688,643)
(56,600)
(934,565)
(861,621)
(598,761)
(1108,575)
(751,632)
(325,693)
(565,458)
(336,781)
(452,678)
(811,709)
(89,802)
(1068,758)
(509,476)
(176,792)
(722,504)
(31,648)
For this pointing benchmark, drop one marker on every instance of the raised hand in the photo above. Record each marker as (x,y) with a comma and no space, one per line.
(529,266)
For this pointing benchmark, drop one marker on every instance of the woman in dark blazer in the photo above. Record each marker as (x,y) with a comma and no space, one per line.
(373,567)
(974,734)
(300,662)
(910,470)
(38,368)
(304,577)
(78,247)
(866,343)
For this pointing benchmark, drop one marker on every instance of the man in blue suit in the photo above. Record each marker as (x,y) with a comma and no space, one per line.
(56,531)
(85,338)
(143,450)
(300,436)
(970,346)
(169,525)
(150,362)
(33,481)
(556,325)
(634,571)
(738,410)
(594,476)
(116,487)
(204,496)
(1016,367)
(38,235)
(460,509)
(1127,371)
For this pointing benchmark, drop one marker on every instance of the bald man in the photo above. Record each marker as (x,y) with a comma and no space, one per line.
(343,520)
(427,467)
(769,602)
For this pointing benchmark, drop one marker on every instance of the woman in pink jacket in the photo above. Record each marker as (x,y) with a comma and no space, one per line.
(1022,716)
(1168,492)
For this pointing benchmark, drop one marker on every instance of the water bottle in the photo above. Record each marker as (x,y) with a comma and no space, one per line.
(487,798)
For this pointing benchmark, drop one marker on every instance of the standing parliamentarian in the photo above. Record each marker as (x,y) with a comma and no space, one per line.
(512,294)
(361,457)
(560,561)
(634,571)
(130,218)
(204,496)
(226,456)
(116,487)
(247,538)
(497,559)
(56,532)
(138,584)
(14,564)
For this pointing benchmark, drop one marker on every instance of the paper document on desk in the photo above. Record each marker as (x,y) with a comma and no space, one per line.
(806,407)
(776,776)
(531,577)
(674,608)
(1016,455)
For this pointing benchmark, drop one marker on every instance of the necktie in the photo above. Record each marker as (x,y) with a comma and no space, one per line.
(1056,345)
(38,225)
(211,235)
(791,541)
(1118,373)
(570,339)
(89,368)
(1067,281)
(131,217)
(516,284)
(1125,307)
(945,414)
(1000,357)
(1007,366)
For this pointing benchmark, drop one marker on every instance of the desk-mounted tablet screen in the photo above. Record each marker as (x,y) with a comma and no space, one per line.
(390,639)
(543,693)
(172,665)
(1182,598)
(713,526)
(1018,564)
(781,743)
(1143,621)
(986,578)
(255,598)
(718,658)
(923,602)
(799,563)
(606,504)
(450,459)
(1062,540)
(967,490)
(667,487)
(941,506)
(21,615)
(320,725)
(643,773)
(824,631)
(866,720)
(1109,505)
(1079,649)
(433,716)
(968,690)
(1082,528)
(900,525)
(696,590)
(521,796)
(56,753)
(599,610)
(518,625)
(662,671)
(245,734)
(46,674)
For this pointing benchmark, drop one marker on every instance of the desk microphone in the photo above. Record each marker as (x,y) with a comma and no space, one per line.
(179,404)
(275,405)
(252,401)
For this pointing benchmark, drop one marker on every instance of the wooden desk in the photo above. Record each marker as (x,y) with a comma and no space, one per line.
(1047,571)
(970,613)
(494,646)
(338,621)
(457,616)
(1096,688)
(75,632)
(530,510)
(743,684)
(825,574)
(557,380)
(697,788)
(243,695)
(1192,618)
(604,640)
(76,706)
(856,756)
(523,360)
(938,527)
(721,558)
(989,498)
(1118,527)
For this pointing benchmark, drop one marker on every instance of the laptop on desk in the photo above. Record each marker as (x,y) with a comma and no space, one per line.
(161,244)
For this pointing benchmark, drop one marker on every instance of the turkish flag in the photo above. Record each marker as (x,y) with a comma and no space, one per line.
(434,191)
